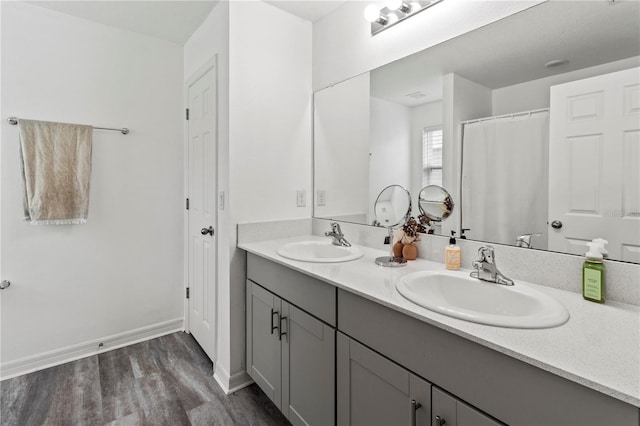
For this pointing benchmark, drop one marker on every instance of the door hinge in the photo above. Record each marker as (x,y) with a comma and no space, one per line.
(187,292)
(187,204)
(187,113)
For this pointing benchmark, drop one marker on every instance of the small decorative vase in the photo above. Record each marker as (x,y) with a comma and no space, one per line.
(409,252)
(397,249)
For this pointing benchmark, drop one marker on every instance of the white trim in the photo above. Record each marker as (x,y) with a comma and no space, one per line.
(81,350)
(231,384)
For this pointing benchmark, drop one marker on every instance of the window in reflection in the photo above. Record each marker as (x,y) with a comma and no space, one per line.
(432,156)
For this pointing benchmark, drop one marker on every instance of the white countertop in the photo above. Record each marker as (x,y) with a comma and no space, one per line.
(599,347)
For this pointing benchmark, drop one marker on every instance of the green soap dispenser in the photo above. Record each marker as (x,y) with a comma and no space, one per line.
(593,275)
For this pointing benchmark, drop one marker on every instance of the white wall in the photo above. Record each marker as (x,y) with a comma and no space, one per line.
(341,148)
(122,270)
(343,46)
(264,142)
(270,132)
(390,148)
(209,41)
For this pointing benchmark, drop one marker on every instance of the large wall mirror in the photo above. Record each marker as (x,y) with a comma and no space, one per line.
(531,123)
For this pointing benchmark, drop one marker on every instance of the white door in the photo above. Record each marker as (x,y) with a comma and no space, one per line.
(594,164)
(201,245)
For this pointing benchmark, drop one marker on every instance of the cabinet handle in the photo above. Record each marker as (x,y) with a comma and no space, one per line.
(280,332)
(440,421)
(274,327)
(415,406)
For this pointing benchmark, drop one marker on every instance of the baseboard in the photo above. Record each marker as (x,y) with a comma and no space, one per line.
(231,384)
(81,350)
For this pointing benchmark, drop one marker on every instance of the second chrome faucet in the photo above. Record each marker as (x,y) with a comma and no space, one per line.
(486,269)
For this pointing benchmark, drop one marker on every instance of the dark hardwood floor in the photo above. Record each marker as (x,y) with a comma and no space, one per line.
(164,381)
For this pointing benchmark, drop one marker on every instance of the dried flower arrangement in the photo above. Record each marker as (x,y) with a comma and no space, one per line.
(408,233)
(405,237)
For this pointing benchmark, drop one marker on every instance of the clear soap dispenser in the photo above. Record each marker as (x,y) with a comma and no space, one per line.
(452,254)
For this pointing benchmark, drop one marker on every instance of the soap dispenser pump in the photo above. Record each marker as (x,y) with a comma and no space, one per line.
(452,254)
(602,246)
(593,274)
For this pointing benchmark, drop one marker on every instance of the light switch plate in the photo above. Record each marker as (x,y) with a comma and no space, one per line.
(301,199)
(322,197)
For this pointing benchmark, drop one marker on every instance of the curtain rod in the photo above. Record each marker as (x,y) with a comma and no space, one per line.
(515,114)
(124,130)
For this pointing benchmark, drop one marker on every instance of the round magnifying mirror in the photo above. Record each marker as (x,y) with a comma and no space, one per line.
(435,203)
(392,207)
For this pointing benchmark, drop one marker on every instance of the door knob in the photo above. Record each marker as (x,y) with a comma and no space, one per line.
(205,231)
(556,224)
(4,284)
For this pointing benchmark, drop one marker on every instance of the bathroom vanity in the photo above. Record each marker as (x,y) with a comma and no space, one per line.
(337,344)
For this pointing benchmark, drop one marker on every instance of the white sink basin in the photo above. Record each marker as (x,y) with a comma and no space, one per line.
(456,294)
(319,252)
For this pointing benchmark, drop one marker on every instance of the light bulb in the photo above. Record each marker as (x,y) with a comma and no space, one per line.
(392,18)
(393,4)
(372,13)
(415,6)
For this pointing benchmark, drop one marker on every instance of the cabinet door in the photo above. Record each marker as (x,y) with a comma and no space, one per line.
(451,411)
(308,368)
(375,391)
(263,346)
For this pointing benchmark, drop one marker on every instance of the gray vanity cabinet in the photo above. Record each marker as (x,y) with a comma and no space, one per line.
(505,388)
(290,351)
(264,352)
(450,411)
(308,369)
(371,390)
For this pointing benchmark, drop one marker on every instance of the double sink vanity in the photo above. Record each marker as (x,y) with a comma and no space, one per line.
(333,338)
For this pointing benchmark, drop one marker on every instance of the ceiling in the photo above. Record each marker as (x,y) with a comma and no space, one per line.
(310,10)
(171,20)
(515,49)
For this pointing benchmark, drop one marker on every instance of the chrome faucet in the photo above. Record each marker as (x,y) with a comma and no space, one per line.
(524,240)
(486,269)
(337,235)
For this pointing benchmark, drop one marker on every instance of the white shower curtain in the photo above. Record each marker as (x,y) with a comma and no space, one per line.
(505,178)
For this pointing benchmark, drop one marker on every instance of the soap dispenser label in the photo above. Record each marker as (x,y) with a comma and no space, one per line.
(592,285)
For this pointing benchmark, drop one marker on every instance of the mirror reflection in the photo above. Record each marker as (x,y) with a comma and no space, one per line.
(435,203)
(393,206)
(431,118)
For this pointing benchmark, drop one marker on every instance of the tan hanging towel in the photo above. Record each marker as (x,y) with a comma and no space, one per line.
(56,166)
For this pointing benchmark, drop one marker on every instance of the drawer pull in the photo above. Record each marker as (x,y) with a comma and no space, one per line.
(274,327)
(440,421)
(415,406)
(280,332)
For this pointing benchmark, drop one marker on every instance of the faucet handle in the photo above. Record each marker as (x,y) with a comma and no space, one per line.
(524,240)
(486,254)
(335,227)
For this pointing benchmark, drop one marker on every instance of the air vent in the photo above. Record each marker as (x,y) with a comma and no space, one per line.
(416,95)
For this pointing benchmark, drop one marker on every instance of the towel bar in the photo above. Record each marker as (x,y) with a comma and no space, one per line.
(124,130)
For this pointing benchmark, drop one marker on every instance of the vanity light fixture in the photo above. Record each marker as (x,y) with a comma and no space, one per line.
(394,11)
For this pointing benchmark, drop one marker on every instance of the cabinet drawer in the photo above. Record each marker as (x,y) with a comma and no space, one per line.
(314,296)
(504,387)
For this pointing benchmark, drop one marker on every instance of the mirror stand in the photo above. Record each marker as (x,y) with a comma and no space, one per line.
(391,260)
